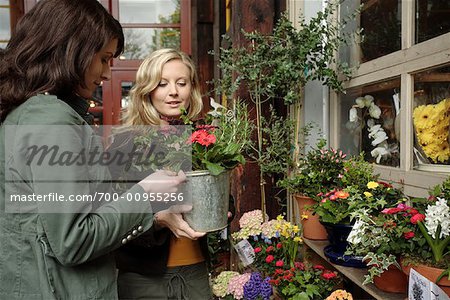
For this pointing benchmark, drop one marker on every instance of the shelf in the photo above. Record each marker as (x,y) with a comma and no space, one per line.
(354,274)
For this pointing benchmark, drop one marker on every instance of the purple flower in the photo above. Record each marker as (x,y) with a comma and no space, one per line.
(257,287)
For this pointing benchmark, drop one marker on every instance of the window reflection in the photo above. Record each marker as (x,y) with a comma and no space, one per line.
(370,122)
(140,42)
(432,19)
(381,24)
(5,29)
(149,11)
(431,117)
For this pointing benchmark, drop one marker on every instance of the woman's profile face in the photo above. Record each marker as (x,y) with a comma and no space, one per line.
(173,91)
(99,70)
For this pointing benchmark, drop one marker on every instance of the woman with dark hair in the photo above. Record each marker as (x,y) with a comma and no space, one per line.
(57,231)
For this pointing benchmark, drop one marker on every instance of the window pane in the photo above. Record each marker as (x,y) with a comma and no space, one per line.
(149,11)
(432,19)
(4,2)
(381,24)
(126,87)
(140,42)
(370,122)
(431,117)
(5,29)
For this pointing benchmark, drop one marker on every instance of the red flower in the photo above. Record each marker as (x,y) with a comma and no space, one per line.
(279,263)
(328,275)
(387,185)
(319,267)
(408,235)
(417,217)
(269,259)
(299,265)
(278,271)
(279,245)
(413,211)
(202,137)
(257,249)
(269,249)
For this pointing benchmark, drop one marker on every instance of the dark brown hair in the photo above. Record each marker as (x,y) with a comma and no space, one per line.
(52,48)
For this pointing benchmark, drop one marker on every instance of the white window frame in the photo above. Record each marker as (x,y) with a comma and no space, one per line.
(412,58)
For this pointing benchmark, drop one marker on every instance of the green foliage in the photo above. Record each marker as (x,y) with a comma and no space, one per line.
(358,172)
(281,63)
(441,190)
(320,171)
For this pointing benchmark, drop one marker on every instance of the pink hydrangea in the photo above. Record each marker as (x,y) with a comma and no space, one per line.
(236,285)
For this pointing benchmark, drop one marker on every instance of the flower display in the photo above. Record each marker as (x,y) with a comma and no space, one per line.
(248,286)
(304,281)
(340,295)
(376,133)
(275,242)
(432,124)
(338,205)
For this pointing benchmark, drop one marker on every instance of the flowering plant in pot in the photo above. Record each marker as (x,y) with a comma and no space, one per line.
(304,281)
(275,242)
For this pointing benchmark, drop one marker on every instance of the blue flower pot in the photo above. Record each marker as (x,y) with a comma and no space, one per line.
(337,236)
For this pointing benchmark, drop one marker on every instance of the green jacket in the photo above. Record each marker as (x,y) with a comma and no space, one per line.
(49,255)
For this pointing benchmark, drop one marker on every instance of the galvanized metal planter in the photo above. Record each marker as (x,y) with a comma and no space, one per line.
(210,196)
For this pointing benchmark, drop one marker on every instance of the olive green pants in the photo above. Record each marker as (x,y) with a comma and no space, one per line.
(181,283)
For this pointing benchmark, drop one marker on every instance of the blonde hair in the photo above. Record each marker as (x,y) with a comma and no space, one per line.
(140,110)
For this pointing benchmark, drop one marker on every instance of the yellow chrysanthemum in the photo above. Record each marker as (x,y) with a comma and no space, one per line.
(372,185)
(424,117)
(368,194)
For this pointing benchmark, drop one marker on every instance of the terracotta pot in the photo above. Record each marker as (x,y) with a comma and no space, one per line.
(312,229)
(431,274)
(392,280)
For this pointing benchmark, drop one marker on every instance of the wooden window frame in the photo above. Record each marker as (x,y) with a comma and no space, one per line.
(185,31)
(411,59)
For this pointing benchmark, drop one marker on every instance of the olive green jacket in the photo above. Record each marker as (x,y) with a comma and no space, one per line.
(58,255)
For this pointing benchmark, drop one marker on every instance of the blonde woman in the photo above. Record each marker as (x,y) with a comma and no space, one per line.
(163,264)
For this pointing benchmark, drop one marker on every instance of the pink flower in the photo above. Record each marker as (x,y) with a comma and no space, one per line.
(408,235)
(417,217)
(319,267)
(299,265)
(269,259)
(257,249)
(391,211)
(279,263)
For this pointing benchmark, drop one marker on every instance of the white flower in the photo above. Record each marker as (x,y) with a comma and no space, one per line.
(379,152)
(370,122)
(374,111)
(353,116)
(379,137)
(436,214)
(360,102)
(368,99)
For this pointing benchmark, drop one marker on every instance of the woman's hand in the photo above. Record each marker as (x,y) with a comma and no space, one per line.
(172,218)
(162,181)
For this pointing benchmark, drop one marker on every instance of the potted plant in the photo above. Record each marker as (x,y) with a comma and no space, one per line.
(304,281)
(277,66)
(249,286)
(337,208)
(207,150)
(318,171)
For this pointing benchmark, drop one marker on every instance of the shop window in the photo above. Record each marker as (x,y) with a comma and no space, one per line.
(370,122)
(380,25)
(432,19)
(431,118)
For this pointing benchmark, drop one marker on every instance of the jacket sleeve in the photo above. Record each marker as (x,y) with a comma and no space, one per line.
(76,231)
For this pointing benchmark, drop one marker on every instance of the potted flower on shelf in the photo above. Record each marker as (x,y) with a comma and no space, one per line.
(319,171)
(338,207)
